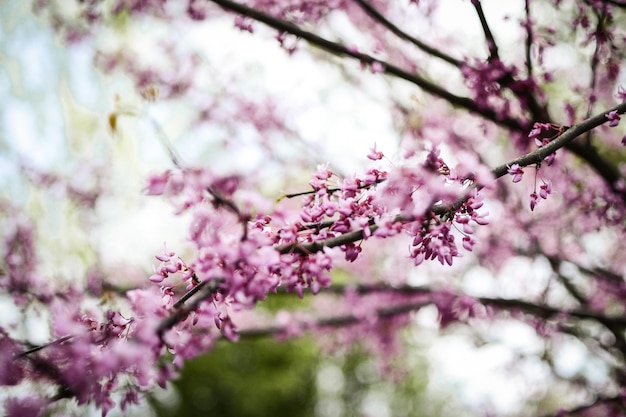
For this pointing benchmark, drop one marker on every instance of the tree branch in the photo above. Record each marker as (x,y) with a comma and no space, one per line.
(531,158)
(502,304)
(491,42)
(180,312)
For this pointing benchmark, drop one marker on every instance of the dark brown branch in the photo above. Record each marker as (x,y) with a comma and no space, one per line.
(376,15)
(545,311)
(40,347)
(538,310)
(529,40)
(605,169)
(491,42)
(537,156)
(541,310)
(181,312)
(338,321)
(183,299)
(594,69)
(308,248)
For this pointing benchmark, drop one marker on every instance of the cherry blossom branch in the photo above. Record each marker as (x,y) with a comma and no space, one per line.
(587,153)
(309,248)
(387,68)
(538,155)
(531,158)
(40,347)
(502,304)
(180,311)
(330,190)
(337,321)
(546,311)
(376,15)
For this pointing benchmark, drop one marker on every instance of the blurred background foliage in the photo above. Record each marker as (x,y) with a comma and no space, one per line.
(264,377)
(248,379)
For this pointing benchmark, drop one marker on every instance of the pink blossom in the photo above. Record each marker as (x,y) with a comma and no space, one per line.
(538,129)
(516,171)
(11,370)
(613,117)
(244,24)
(377,67)
(621,93)
(545,189)
(29,406)
(534,199)
(374,154)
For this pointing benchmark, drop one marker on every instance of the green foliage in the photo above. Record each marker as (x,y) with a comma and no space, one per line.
(250,378)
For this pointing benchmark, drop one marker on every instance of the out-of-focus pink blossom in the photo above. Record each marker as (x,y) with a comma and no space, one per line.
(621,93)
(534,199)
(517,172)
(28,406)
(375,154)
(613,117)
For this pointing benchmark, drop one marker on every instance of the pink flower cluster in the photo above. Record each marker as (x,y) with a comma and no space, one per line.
(248,255)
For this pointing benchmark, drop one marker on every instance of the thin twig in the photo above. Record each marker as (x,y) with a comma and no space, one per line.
(182,311)
(329,190)
(540,310)
(529,40)
(40,347)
